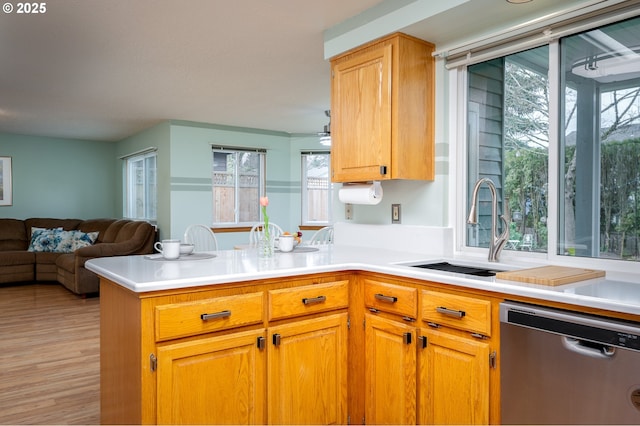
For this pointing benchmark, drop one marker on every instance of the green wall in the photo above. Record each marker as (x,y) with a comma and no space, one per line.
(85,179)
(185,167)
(60,178)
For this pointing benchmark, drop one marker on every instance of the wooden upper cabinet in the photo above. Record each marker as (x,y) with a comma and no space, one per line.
(382,111)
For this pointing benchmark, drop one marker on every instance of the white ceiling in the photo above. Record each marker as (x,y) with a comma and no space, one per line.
(106,69)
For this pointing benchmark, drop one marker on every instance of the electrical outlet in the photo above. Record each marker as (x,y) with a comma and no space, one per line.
(395,213)
(348,211)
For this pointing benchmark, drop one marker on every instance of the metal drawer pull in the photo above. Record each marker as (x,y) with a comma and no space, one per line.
(221,314)
(450,312)
(310,300)
(388,299)
(406,338)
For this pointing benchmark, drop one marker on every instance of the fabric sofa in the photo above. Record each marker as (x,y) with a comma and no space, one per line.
(47,249)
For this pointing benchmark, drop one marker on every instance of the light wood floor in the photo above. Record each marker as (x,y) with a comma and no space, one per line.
(49,356)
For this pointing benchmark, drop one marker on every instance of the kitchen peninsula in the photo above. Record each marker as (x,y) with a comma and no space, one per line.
(236,338)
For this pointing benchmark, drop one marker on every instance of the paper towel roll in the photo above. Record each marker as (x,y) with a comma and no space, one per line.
(370,193)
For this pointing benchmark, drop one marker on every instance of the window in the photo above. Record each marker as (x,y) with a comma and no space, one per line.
(238,184)
(141,189)
(566,112)
(508,142)
(316,188)
(600,142)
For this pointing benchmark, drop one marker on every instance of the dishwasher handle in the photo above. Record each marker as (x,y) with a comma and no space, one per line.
(590,349)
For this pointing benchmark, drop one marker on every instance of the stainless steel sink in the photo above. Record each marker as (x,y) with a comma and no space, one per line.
(460,269)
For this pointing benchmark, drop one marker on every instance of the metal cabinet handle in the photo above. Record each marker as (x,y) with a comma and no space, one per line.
(450,312)
(221,314)
(261,342)
(423,341)
(310,300)
(388,299)
(406,338)
(276,339)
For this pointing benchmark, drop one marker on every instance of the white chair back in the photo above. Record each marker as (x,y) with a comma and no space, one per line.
(257,232)
(322,236)
(527,242)
(202,237)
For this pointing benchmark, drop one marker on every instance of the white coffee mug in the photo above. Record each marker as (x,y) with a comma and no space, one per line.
(170,249)
(285,243)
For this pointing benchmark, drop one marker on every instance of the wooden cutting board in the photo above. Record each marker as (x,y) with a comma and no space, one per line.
(550,275)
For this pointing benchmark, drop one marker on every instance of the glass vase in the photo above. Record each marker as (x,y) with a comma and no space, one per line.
(266,246)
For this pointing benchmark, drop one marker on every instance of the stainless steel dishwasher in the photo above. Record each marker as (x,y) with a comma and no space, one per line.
(561,367)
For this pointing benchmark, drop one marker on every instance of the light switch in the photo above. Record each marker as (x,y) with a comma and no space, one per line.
(395,213)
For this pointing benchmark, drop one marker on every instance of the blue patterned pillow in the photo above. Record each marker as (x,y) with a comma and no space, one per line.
(83,239)
(59,241)
(42,239)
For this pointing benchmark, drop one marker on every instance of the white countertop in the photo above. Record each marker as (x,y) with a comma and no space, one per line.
(141,274)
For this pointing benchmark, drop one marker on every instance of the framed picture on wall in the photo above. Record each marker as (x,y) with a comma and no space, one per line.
(6,192)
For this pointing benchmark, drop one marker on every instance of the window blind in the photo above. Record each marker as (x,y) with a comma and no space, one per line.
(216,147)
(539,31)
(137,153)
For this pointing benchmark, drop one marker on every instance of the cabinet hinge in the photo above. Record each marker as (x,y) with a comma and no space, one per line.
(348,419)
(383,170)
(348,323)
(153,363)
(493,359)
(364,324)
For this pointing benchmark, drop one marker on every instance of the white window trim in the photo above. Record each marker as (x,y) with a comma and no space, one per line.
(143,154)
(262,185)
(457,90)
(303,192)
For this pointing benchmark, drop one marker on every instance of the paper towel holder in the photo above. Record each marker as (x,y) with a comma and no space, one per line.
(377,187)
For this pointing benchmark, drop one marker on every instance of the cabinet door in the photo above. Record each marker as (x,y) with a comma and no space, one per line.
(307,380)
(453,377)
(215,380)
(390,364)
(361,117)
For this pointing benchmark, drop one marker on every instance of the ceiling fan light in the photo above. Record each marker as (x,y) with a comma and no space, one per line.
(325,140)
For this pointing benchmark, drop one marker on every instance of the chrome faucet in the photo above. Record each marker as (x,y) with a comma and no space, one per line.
(497,242)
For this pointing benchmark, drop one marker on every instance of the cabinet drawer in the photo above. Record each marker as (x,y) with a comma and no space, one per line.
(204,316)
(465,313)
(391,298)
(308,299)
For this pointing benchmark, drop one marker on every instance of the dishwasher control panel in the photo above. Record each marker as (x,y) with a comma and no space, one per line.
(591,328)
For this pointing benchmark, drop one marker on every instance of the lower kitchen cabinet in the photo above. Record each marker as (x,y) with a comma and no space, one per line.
(213,380)
(322,349)
(390,371)
(307,371)
(453,377)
